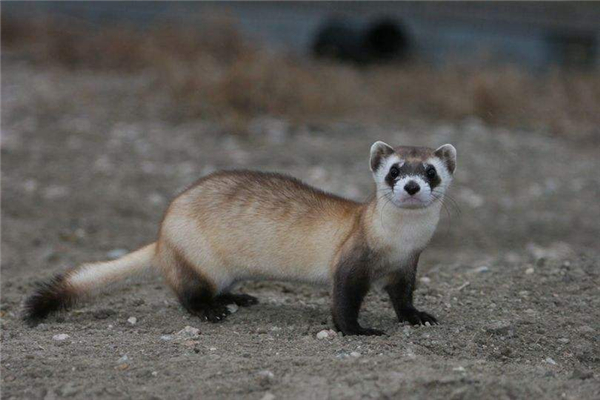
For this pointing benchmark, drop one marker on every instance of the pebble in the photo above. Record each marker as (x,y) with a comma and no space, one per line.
(60,337)
(582,374)
(355,354)
(481,269)
(550,361)
(123,359)
(189,332)
(154,373)
(166,338)
(69,389)
(564,340)
(529,271)
(266,377)
(459,369)
(499,328)
(212,348)
(326,333)
(132,320)
(585,329)
(116,253)
(266,374)
(268,396)
(233,308)
(425,280)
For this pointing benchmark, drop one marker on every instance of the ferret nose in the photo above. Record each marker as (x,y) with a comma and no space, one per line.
(412,187)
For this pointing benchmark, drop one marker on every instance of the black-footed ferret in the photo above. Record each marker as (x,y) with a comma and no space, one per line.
(237,225)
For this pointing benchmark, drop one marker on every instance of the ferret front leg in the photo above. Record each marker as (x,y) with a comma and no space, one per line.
(350,285)
(400,288)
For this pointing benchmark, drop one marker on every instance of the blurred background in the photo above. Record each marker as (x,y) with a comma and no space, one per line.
(110,108)
(164,92)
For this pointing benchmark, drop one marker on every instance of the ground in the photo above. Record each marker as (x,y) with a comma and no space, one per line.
(89,165)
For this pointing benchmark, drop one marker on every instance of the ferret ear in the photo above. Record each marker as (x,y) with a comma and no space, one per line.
(447,153)
(379,152)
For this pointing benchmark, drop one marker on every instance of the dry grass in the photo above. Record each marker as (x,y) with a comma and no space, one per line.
(213,72)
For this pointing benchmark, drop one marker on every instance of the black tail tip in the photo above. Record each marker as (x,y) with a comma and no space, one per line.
(50,297)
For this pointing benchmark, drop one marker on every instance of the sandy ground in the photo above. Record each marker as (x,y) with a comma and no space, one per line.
(89,163)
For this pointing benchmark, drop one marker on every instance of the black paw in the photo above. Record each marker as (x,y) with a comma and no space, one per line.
(213,313)
(241,300)
(416,317)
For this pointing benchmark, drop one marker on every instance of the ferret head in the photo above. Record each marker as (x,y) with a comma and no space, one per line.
(412,177)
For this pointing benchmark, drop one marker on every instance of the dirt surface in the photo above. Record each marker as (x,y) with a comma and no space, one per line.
(89,163)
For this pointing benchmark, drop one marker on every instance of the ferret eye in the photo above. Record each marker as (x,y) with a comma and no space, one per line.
(431,172)
(394,172)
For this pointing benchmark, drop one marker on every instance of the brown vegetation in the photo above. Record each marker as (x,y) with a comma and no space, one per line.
(213,72)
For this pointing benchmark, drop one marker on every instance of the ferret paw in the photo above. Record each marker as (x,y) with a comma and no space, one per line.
(241,300)
(416,317)
(213,313)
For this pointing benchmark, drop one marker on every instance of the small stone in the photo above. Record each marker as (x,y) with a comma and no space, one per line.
(355,354)
(582,374)
(425,280)
(585,329)
(212,349)
(459,369)
(326,334)
(116,253)
(529,271)
(132,320)
(154,373)
(233,308)
(122,367)
(166,338)
(266,374)
(123,359)
(266,377)
(550,361)
(499,328)
(60,337)
(563,340)
(69,390)
(483,268)
(102,314)
(189,332)
(275,329)
(268,396)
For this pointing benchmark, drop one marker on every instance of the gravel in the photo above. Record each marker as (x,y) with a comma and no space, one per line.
(87,162)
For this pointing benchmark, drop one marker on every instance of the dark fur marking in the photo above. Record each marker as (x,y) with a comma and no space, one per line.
(197,294)
(413,169)
(389,179)
(241,300)
(435,181)
(351,283)
(50,297)
(401,290)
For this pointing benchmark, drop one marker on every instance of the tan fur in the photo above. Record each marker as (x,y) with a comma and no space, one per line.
(234,226)
(245,225)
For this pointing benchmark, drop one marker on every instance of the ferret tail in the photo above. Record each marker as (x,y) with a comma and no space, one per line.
(62,291)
